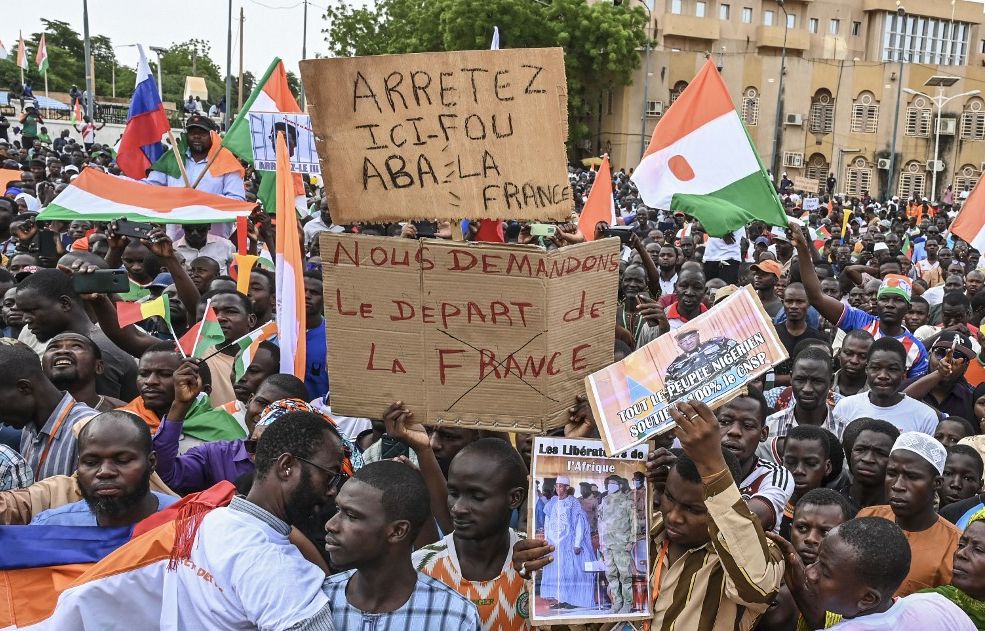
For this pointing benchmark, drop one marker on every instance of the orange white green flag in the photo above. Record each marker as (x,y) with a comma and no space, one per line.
(970,222)
(289,270)
(701,162)
(600,205)
(248,345)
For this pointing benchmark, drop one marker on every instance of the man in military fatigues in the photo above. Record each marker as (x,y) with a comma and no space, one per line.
(616,513)
(696,353)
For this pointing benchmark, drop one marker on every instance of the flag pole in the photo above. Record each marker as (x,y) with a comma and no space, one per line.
(176,340)
(180,159)
(208,165)
(198,333)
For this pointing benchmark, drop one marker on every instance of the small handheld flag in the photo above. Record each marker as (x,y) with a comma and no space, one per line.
(248,345)
(203,335)
(130,312)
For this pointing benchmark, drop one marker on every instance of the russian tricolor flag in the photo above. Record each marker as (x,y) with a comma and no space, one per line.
(141,144)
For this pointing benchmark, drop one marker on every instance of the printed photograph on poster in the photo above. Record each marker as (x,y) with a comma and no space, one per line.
(300,141)
(594,510)
(710,358)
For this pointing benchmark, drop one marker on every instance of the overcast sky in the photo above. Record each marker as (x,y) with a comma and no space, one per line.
(267,33)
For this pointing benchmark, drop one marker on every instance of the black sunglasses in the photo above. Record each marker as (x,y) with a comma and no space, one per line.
(337,478)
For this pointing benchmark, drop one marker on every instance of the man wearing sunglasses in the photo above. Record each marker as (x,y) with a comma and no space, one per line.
(945,388)
(254,577)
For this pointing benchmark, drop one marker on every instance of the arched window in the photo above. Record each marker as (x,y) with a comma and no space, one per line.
(858,176)
(817,169)
(865,114)
(676,90)
(973,120)
(966,178)
(918,118)
(750,107)
(822,116)
(912,180)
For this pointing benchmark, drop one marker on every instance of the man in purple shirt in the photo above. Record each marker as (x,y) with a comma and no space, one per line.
(204,465)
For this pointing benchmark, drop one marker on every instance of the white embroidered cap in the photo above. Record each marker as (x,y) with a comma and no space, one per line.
(923,445)
(563,479)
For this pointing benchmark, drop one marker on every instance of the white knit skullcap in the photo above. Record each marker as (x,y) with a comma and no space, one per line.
(563,479)
(923,445)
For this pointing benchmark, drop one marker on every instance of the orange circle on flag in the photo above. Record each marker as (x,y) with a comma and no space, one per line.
(681,168)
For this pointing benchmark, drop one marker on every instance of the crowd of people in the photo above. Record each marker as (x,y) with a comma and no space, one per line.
(844,489)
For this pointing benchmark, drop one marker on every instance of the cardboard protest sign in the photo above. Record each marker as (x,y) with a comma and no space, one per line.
(478,334)
(299,137)
(806,184)
(559,469)
(464,134)
(710,358)
(811,203)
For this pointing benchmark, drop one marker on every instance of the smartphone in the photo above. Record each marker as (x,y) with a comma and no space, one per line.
(542,230)
(104,281)
(625,234)
(134,229)
(426,229)
(47,248)
(390,448)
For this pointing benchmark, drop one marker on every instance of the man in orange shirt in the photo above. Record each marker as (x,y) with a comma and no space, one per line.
(487,481)
(913,477)
(976,367)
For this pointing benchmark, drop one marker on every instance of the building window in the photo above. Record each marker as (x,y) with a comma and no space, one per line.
(699,9)
(858,177)
(677,90)
(822,114)
(856,28)
(983,47)
(768,17)
(917,118)
(675,6)
(973,121)
(747,15)
(912,180)
(865,114)
(817,169)
(812,25)
(966,178)
(791,20)
(922,40)
(750,107)
(723,11)
(834,26)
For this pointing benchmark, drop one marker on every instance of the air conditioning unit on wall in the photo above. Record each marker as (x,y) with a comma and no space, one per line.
(935,165)
(946,126)
(883,164)
(793,119)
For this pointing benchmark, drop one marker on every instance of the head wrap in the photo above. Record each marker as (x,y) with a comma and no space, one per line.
(352,458)
(896,285)
(923,445)
(33,204)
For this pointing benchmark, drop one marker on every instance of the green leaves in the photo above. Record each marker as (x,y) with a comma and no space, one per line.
(601,41)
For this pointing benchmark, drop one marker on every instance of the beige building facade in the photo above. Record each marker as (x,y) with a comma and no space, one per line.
(846,62)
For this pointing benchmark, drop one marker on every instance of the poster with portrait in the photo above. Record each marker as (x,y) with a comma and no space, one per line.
(594,509)
(710,358)
(298,135)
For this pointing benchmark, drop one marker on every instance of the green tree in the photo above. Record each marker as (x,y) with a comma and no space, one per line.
(601,40)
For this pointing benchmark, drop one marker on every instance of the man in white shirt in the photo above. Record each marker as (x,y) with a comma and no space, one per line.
(321,223)
(257,578)
(198,241)
(885,369)
(722,256)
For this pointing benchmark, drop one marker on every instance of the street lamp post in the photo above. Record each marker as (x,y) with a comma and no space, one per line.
(160,71)
(778,125)
(939,102)
(901,13)
(646,79)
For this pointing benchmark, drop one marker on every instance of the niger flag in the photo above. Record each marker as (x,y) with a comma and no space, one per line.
(701,162)
(600,205)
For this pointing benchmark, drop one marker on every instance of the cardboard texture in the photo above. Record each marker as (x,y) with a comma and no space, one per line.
(623,521)
(465,134)
(735,342)
(806,184)
(482,335)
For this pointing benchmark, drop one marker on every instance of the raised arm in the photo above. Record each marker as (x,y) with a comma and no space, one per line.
(830,308)
(652,273)
(160,244)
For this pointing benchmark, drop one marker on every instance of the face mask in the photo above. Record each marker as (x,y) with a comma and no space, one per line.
(612,488)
